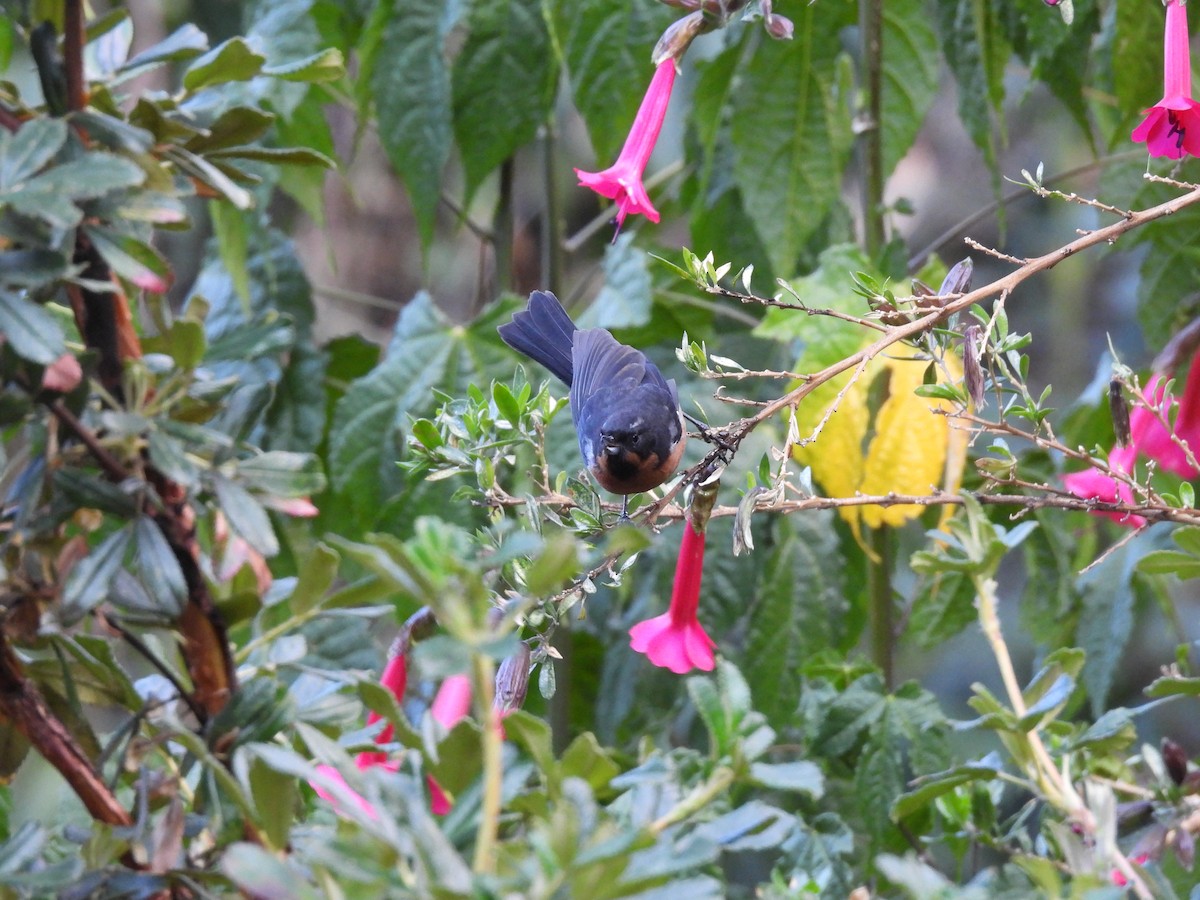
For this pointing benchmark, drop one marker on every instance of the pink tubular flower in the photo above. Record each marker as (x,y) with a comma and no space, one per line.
(1093,484)
(622,181)
(395,679)
(1149,436)
(450,705)
(1172,126)
(452,701)
(676,640)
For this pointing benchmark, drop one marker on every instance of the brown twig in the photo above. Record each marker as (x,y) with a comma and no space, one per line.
(21,704)
(74,36)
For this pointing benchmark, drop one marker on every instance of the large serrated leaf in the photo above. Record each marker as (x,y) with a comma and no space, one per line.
(607,45)
(1169,274)
(910,76)
(503,84)
(944,605)
(976,54)
(791,136)
(1137,72)
(30,330)
(412,104)
(1107,619)
(800,611)
(426,352)
(879,778)
(624,301)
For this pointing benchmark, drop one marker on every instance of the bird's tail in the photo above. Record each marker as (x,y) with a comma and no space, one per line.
(544,332)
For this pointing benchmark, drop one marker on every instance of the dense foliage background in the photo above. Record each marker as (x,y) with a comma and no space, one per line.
(260,436)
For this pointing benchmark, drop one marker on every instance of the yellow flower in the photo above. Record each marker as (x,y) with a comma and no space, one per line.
(912,448)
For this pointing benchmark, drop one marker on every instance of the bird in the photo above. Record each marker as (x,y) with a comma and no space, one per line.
(627,415)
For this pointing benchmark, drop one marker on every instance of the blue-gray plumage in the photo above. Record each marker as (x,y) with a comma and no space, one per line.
(627,415)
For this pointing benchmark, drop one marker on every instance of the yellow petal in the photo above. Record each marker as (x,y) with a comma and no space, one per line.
(836,456)
(912,442)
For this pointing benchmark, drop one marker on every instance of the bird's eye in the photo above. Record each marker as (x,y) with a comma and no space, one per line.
(634,439)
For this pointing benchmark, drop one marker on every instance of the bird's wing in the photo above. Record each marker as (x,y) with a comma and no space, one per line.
(600,361)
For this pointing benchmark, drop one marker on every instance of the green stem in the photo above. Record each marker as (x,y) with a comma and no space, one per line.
(1045,772)
(493,770)
(705,793)
(879,586)
(870,24)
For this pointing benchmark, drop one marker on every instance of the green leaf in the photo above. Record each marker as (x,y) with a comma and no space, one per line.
(799,777)
(426,353)
(315,578)
(246,516)
(607,46)
(624,301)
(233,60)
(503,84)
(829,286)
(707,701)
(274,795)
(943,607)
(1107,619)
(1136,53)
(412,103)
(30,330)
(799,611)
(262,874)
(283,474)
(158,568)
(92,175)
(327,65)
(1174,685)
(976,53)
(131,259)
(276,156)
(928,788)
(879,778)
(212,177)
(186,42)
(791,135)
(86,490)
(1170,562)
(910,76)
(1113,732)
(557,563)
(87,584)
(234,127)
(586,759)
(29,149)
(28,268)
